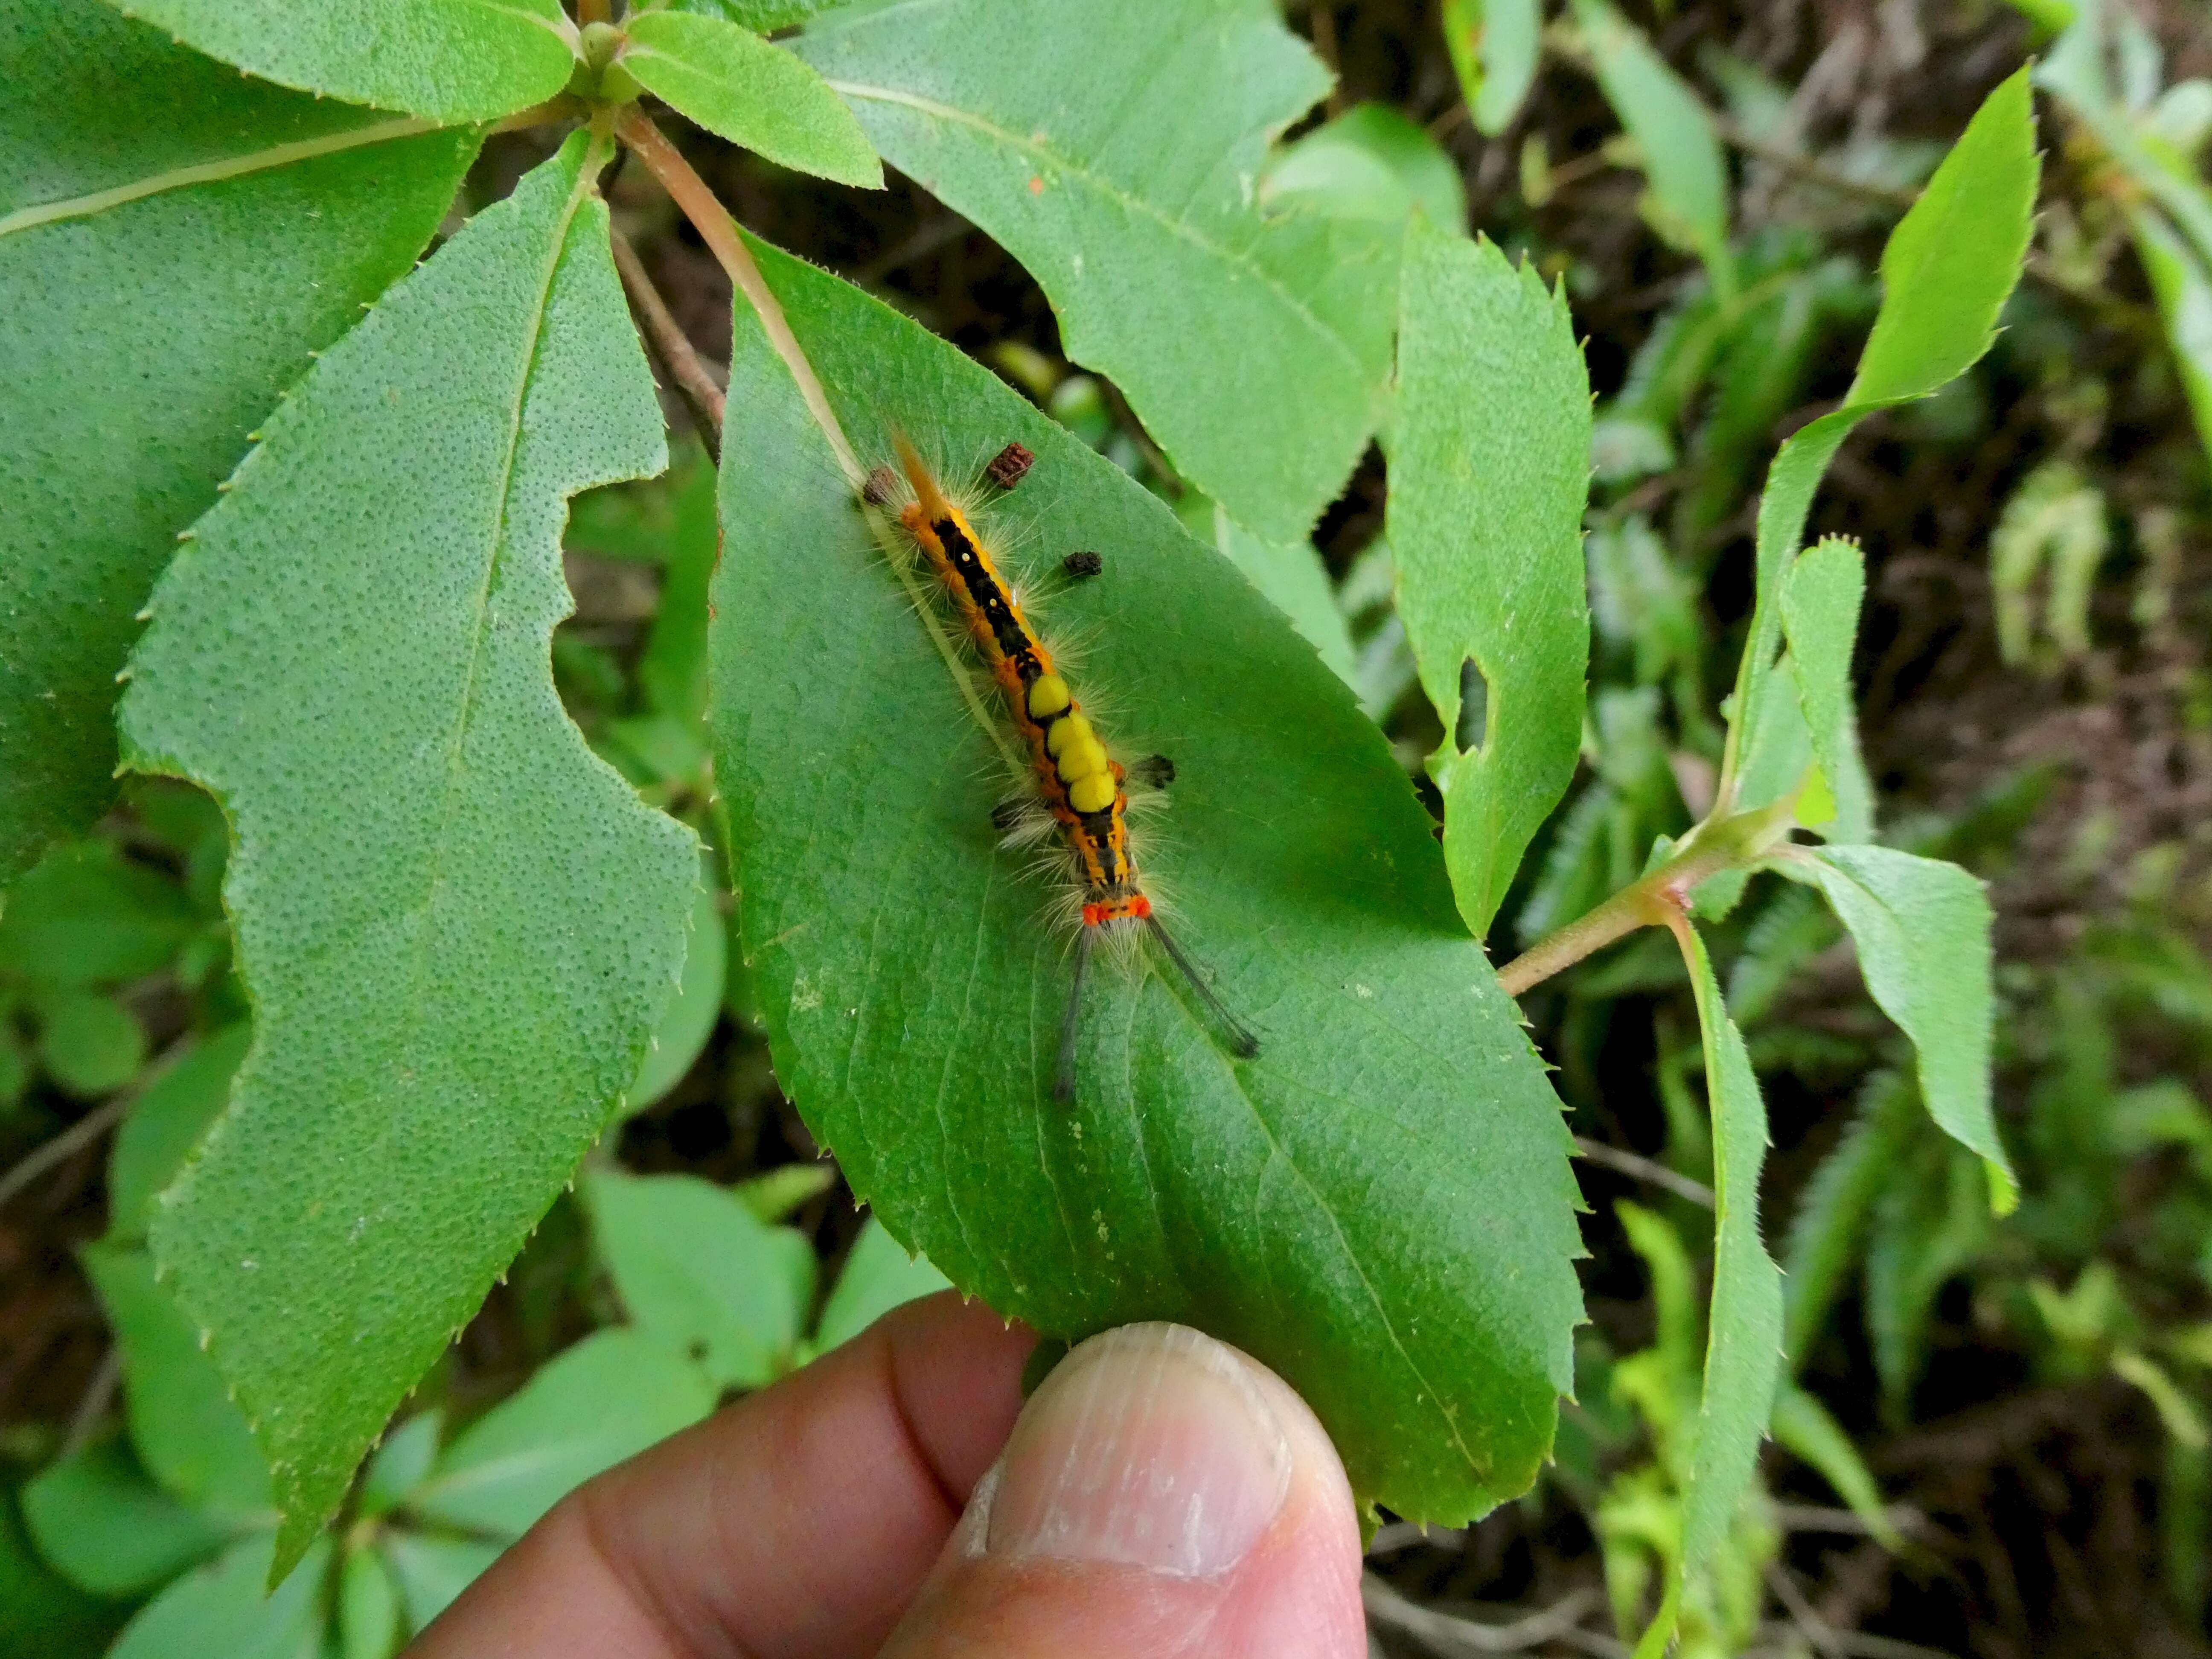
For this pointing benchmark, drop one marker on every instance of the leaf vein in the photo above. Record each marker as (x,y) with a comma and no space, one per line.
(207,173)
(1135,205)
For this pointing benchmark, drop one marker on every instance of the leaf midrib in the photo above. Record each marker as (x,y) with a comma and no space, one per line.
(207,172)
(480,630)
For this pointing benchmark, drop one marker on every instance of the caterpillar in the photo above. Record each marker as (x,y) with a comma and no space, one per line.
(1082,791)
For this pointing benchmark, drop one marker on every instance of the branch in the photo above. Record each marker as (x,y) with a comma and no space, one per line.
(1661,898)
(693,381)
(1815,171)
(1441,1632)
(92,1405)
(79,1135)
(719,232)
(1642,1169)
(1650,902)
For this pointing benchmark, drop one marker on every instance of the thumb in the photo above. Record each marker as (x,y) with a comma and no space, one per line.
(1161,1494)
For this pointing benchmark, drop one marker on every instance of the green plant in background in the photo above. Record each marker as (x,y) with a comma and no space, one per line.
(464,871)
(2105,70)
(712,1297)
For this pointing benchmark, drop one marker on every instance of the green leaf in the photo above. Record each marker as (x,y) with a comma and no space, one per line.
(368,1607)
(352,656)
(1371,162)
(689,1019)
(226,1611)
(732,82)
(1827,1233)
(1110,149)
(697,1269)
(89,1044)
(2075,70)
(1290,575)
(401,1462)
(1675,1324)
(1922,927)
(671,670)
(1494,46)
(878,1275)
(182,1426)
(761,16)
(14,1068)
(1688,199)
(608,1398)
(774,1193)
(41,1611)
(2180,1414)
(1953,260)
(107,1528)
(2051,537)
(432,1571)
(1929,1224)
(165,1125)
(1821,620)
(1485,523)
(913,985)
(86,916)
(1805,1428)
(2181,281)
(1946,271)
(1743,1343)
(447,60)
(239,228)
(1641,602)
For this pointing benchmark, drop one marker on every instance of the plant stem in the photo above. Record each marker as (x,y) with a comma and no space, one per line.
(694,382)
(1813,171)
(719,232)
(80,1134)
(1661,899)
(1633,907)
(1643,1169)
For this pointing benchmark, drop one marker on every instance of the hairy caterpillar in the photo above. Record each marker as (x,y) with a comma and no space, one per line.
(1081,792)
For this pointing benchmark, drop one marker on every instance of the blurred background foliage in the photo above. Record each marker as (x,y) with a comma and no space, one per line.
(1995,1438)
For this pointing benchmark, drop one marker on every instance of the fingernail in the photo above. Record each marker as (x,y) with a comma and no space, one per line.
(1153,1446)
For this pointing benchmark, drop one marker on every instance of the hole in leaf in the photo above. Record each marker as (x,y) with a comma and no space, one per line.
(1474,707)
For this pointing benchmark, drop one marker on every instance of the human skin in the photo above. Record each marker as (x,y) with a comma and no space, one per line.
(1161,1494)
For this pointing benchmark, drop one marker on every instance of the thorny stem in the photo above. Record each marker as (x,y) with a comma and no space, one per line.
(694,382)
(720,231)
